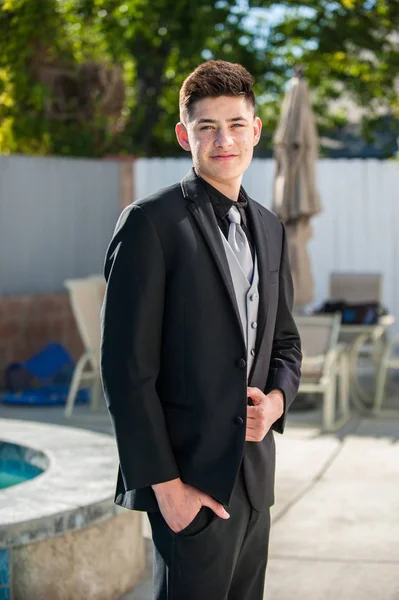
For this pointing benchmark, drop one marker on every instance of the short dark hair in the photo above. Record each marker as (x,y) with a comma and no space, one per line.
(212,79)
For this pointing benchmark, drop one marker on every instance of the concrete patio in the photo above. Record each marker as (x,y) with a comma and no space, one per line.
(335,523)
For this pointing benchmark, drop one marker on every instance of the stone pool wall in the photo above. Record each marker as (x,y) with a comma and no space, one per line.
(100,562)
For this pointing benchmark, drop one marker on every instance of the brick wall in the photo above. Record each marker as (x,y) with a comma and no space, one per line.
(28,323)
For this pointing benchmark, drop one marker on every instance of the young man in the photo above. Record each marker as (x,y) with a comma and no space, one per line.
(200,353)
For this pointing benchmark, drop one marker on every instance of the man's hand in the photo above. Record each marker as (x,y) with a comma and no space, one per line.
(180,503)
(264,412)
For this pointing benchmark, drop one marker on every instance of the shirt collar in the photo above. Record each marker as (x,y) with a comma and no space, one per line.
(221,203)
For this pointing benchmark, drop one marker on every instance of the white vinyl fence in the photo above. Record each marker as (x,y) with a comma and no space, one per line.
(358,229)
(57,216)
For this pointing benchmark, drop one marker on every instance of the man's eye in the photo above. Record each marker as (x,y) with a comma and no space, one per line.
(238,125)
(205,127)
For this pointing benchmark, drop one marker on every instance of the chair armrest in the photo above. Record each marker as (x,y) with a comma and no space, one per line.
(333,356)
(390,347)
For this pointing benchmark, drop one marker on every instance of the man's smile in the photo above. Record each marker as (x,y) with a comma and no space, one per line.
(223,157)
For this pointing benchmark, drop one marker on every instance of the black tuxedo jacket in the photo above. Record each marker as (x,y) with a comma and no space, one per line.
(173,355)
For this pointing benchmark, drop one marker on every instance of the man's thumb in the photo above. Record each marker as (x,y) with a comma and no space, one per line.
(217,508)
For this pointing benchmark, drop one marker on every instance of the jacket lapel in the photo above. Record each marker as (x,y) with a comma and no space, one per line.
(200,207)
(261,237)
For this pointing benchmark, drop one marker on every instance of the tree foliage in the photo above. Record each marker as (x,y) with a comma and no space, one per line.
(348,47)
(96,77)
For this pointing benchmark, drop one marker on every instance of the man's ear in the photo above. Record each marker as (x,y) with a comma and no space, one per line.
(257,130)
(182,137)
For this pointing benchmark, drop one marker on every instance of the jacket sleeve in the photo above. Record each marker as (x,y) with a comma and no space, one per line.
(286,357)
(131,324)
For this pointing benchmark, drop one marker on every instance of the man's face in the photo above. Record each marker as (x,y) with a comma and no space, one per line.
(220,134)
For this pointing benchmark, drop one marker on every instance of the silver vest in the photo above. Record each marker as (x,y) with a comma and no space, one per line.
(247,296)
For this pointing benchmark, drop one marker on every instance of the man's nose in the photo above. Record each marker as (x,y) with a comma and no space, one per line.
(223,139)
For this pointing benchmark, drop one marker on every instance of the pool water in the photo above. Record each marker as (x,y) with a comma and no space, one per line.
(9,477)
(19,464)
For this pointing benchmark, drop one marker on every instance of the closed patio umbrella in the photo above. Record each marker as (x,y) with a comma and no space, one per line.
(295,198)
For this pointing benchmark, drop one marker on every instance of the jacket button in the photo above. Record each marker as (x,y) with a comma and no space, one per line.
(239,421)
(241,363)
(254,325)
(253,297)
(253,352)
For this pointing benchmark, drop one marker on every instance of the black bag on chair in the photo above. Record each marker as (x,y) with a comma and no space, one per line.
(359,313)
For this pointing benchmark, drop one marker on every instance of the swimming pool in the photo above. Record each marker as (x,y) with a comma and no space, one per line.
(66,511)
(18,464)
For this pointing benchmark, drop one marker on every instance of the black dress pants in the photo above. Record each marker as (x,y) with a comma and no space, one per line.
(213,558)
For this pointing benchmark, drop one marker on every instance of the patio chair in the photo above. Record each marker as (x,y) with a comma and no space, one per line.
(324,363)
(358,288)
(101,285)
(86,307)
(389,360)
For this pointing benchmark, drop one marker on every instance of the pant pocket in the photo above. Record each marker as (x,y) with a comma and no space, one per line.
(199,524)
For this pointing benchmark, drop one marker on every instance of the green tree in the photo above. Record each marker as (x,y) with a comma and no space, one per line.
(159,43)
(91,77)
(348,48)
(48,46)
(54,72)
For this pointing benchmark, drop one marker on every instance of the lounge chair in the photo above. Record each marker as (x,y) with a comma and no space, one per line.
(324,364)
(86,306)
(389,360)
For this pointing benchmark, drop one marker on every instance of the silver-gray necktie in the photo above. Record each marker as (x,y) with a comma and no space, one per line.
(239,243)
